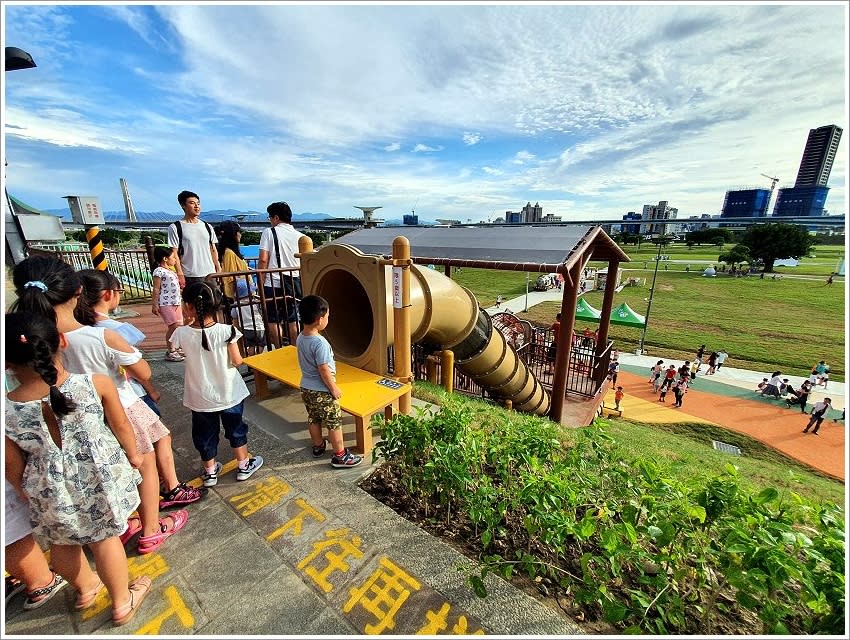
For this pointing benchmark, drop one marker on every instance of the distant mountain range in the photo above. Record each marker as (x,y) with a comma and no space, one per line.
(215,215)
(212,216)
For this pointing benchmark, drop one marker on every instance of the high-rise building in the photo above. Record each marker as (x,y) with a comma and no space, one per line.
(631,228)
(532,214)
(655,213)
(800,201)
(746,203)
(818,156)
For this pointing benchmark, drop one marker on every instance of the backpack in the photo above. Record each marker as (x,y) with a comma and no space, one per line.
(178,225)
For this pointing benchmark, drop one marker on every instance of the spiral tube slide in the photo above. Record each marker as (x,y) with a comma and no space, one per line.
(359,292)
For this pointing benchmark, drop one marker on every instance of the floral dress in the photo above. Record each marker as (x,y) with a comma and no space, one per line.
(84,491)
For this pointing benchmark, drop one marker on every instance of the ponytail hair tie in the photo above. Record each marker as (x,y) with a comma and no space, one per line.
(38,284)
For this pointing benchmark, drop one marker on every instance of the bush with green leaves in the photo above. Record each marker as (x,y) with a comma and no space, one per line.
(626,539)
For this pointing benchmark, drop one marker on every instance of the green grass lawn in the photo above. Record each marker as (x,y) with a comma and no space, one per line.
(787,324)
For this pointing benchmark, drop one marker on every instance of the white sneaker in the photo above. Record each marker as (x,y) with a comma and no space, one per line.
(253,464)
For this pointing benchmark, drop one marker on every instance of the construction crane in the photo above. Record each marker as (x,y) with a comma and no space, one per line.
(773,182)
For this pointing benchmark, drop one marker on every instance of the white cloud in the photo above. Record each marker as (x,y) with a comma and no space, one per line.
(424,148)
(523,157)
(592,110)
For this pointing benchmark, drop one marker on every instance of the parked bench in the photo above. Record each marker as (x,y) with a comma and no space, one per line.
(363,393)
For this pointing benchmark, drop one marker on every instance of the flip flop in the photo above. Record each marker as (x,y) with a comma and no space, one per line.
(139,589)
(134,525)
(85,600)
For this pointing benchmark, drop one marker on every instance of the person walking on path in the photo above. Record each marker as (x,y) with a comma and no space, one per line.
(613,370)
(618,397)
(712,364)
(74,459)
(213,388)
(679,390)
(655,373)
(278,246)
(319,390)
(721,358)
(818,413)
(194,241)
(165,296)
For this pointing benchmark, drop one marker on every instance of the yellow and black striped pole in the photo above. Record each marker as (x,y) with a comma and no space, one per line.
(98,257)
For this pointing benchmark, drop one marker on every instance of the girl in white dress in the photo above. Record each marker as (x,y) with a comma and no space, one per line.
(78,475)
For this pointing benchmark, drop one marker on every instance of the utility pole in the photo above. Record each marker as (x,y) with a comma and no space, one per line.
(661,240)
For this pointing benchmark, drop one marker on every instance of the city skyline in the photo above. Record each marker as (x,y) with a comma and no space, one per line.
(450,111)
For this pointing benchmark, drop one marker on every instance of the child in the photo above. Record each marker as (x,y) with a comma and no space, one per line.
(165,297)
(52,288)
(655,374)
(74,461)
(250,317)
(213,388)
(613,370)
(318,383)
(761,385)
(101,294)
(618,396)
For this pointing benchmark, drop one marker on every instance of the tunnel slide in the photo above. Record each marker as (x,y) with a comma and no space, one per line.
(358,290)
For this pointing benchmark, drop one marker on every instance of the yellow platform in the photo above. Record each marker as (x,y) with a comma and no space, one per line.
(363,393)
(645,411)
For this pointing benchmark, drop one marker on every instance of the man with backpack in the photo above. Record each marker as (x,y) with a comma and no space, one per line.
(195,242)
(281,289)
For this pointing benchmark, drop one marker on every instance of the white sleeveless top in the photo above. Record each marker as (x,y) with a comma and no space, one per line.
(88,352)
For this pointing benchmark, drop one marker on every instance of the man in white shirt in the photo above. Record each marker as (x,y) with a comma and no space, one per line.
(818,414)
(194,240)
(282,290)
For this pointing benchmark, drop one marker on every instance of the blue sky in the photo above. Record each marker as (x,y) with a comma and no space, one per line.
(455,111)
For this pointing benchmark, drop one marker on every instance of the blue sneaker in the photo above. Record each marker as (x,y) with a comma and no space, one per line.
(347,459)
(211,479)
(253,464)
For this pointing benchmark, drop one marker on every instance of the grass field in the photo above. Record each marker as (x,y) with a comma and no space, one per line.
(787,324)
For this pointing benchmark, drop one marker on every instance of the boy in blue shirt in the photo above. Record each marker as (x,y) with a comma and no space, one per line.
(318,383)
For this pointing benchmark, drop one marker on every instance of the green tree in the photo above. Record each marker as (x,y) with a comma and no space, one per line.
(774,241)
(736,255)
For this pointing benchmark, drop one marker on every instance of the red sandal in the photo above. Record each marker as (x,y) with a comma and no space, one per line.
(149,544)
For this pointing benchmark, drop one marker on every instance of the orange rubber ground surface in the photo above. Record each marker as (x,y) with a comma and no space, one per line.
(773,424)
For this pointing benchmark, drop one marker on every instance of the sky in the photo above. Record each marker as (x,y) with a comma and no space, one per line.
(445,110)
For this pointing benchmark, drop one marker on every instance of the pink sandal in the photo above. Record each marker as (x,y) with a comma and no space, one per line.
(139,589)
(85,600)
(149,544)
(134,525)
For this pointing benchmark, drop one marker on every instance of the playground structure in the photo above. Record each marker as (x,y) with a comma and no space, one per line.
(361,290)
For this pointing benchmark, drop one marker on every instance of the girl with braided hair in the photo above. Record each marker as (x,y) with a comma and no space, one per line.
(213,388)
(43,281)
(71,454)
(101,294)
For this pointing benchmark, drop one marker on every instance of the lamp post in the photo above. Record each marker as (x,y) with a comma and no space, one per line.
(526,293)
(661,241)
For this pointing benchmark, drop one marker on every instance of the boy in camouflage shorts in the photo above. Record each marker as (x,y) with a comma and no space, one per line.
(318,383)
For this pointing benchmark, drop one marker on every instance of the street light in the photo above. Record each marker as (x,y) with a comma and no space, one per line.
(661,241)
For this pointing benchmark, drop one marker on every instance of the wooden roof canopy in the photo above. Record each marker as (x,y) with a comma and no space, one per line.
(538,248)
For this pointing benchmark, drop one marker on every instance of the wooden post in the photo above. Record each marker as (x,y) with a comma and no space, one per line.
(447,370)
(565,342)
(607,305)
(401,316)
